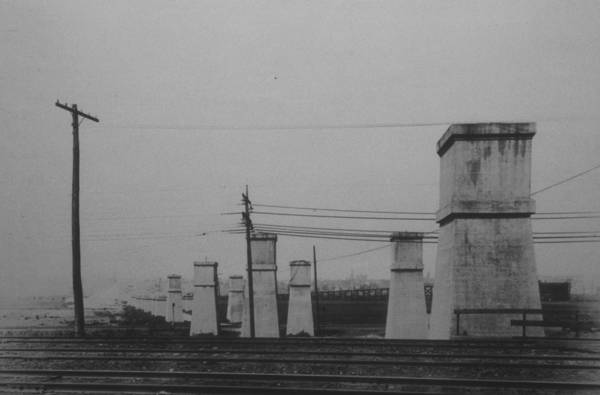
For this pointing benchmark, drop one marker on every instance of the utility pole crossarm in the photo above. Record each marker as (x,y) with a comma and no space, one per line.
(76,111)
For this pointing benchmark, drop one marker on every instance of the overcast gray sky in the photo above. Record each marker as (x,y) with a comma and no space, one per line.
(191,94)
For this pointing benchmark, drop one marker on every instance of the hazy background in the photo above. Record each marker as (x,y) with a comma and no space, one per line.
(198,98)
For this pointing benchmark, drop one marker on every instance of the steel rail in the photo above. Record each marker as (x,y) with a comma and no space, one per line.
(450,349)
(303,352)
(387,346)
(329,361)
(278,377)
(501,342)
(516,339)
(158,388)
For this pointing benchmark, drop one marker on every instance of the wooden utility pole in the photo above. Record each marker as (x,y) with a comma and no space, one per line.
(77,287)
(317,323)
(248,224)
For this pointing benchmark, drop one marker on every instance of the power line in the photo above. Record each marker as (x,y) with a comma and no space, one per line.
(396,218)
(565,238)
(320,228)
(567,241)
(309,228)
(401,212)
(376,125)
(354,254)
(566,180)
(282,230)
(145,238)
(543,215)
(566,217)
(552,239)
(149,217)
(345,210)
(567,212)
(319,237)
(361,235)
(569,232)
(386,231)
(386,236)
(343,216)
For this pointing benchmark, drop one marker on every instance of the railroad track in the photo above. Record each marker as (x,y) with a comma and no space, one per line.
(584,345)
(302,366)
(358,353)
(478,365)
(471,343)
(186,382)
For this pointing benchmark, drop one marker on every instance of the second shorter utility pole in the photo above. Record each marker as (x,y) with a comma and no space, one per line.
(248,224)
(317,323)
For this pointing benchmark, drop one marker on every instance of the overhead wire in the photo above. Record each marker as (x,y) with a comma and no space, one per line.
(565,180)
(540,216)
(342,216)
(402,212)
(344,210)
(569,232)
(362,235)
(565,217)
(556,240)
(330,231)
(322,237)
(354,254)
(375,125)
(321,228)
(386,231)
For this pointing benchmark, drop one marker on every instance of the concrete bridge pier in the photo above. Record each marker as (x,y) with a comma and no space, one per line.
(406,313)
(161,303)
(264,274)
(174,305)
(235,299)
(204,304)
(300,315)
(485,257)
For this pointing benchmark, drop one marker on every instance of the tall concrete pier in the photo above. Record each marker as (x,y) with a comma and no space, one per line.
(300,315)
(174,307)
(485,257)
(204,304)
(406,314)
(235,299)
(264,275)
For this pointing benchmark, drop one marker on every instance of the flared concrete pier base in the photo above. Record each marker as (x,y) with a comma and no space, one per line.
(235,299)
(406,314)
(160,303)
(300,314)
(174,307)
(264,274)
(485,257)
(204,304)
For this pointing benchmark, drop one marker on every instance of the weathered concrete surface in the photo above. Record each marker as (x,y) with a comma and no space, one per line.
(406,312)
(300,314)
(174,306)
(266,320)
(204,304)
(235,299)
(485,256)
